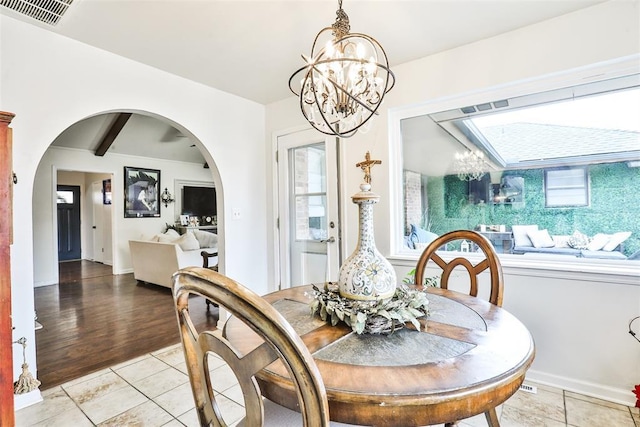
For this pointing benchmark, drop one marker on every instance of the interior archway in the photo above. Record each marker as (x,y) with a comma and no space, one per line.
(96,149)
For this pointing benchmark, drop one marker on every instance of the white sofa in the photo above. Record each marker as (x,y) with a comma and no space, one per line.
(155,259)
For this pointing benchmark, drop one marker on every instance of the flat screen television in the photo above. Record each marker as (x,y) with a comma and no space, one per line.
(199,201)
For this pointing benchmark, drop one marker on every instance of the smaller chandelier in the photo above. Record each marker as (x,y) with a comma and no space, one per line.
(344,80)
(470,165)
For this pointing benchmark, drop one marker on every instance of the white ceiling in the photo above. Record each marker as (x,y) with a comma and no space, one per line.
(250,48)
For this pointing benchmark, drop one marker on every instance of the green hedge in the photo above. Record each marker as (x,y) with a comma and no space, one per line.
(614,205)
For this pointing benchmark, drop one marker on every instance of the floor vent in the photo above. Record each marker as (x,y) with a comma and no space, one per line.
(47,11)
(529,388)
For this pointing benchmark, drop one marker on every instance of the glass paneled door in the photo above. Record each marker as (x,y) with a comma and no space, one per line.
(308,207)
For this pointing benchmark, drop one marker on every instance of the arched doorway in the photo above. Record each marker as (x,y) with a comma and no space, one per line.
(92,153)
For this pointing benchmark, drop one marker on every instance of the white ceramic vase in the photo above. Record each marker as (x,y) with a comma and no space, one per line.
(366,274)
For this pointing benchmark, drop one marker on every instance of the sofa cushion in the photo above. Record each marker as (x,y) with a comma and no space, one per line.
(578,240)
(206,239)
(540,238)
(615,240)
(602,254)
(520,236)
(187,242)
(598,242)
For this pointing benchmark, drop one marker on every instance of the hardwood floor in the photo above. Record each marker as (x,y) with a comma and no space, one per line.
(93,319)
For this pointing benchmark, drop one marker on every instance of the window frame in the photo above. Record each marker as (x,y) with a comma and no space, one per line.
(585,187)
(557,266)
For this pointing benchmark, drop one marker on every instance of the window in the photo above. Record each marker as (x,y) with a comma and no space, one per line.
(561,160)
(566,187)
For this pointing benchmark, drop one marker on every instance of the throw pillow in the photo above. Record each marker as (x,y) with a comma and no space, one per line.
(578,240)
(164,238)
(520,235)
(615,240)
(188,242)
(598,242)
(172,233)
(206,239)
(420,235)
(540,238)
(561,241)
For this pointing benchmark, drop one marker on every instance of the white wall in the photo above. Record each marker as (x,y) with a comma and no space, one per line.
(578,319)
(51,82)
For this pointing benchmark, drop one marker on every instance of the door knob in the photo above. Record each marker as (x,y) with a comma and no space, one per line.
(329,240)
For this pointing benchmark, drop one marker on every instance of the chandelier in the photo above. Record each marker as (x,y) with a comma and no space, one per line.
(344,80)
(470,165)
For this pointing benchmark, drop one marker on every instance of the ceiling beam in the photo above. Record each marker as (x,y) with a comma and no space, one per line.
(111,133)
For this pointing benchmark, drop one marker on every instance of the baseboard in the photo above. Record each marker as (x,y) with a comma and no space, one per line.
(26,399)
(599,391)
(45,283)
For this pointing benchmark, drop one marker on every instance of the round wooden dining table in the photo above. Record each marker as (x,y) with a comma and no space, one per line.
(468,357)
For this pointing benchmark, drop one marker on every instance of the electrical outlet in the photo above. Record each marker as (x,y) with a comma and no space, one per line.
(236,213)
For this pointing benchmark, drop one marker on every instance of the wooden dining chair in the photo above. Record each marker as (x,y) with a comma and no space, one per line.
(205,264)
(489,262)
(280,342)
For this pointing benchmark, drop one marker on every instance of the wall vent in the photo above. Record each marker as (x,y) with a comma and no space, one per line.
(47,11)
(529,388)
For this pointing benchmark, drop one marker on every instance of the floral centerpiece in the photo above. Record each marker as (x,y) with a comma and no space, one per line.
(372,316)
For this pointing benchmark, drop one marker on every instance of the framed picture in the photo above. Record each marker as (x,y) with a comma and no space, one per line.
(141,195)
(184,219)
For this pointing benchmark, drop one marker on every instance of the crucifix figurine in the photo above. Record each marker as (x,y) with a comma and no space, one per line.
(366,166)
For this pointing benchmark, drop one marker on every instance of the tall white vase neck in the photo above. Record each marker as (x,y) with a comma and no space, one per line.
(366,274)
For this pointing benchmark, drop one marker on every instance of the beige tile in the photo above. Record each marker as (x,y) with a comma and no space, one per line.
(595,400)
(55,402)
(479,420)
(190,419)
(544,404)
(147,414)
(223,378)
(175,423)
(130,362)
(544,387)
(85,378)
(167,349)
(517,417)
(235,393)
(583,413)
(177,401)
(141,369)
(215,362)
(70,417)
(231,411)
(161,382)
(95,387)
(182,367)
(108,406)
(171,356)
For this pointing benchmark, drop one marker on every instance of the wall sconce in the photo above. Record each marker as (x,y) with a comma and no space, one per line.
(166,197)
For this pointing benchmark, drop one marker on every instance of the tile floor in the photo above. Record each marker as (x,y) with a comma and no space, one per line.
(154,390)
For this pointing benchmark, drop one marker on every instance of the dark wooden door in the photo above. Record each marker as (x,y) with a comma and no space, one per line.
(6,237)
(68,202)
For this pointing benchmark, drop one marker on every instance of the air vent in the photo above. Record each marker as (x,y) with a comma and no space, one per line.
(47,11)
